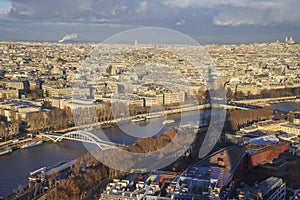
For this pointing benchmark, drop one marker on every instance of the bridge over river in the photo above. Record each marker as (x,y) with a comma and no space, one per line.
(80,136)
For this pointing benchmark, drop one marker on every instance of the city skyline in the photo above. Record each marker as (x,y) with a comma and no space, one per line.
(235,21)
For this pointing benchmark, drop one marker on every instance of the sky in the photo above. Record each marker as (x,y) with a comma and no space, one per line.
(206,21)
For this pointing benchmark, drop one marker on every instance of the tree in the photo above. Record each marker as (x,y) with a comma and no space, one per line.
(291,117)
(229,93)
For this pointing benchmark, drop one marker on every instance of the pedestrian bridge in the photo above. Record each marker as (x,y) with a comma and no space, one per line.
(81,136)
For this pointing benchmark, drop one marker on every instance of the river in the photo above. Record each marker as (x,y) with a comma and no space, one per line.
(15,167)
(285,106)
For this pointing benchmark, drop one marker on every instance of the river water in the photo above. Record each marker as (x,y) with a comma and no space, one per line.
(15,167)
(285,106)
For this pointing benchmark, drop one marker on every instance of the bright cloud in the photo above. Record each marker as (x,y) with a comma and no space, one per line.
(5,8)
(245,12)
(142,7)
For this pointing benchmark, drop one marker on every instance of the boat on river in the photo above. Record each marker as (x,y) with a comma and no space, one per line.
(169,121)
(32,144)
(5,151)
(138,119)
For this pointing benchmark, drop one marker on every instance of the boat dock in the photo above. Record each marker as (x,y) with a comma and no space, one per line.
(44,172)
(11,145)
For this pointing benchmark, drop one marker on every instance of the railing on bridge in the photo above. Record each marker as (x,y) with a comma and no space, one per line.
(81,136)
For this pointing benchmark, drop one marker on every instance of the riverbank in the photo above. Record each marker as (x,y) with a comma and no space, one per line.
(15,144)
(15,167)
(113,122)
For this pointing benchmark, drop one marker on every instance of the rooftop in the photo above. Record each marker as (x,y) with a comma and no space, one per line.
(269,184)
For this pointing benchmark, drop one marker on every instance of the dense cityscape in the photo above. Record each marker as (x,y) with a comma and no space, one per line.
(56,92)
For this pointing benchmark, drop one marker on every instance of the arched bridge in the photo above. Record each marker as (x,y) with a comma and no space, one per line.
(81,136)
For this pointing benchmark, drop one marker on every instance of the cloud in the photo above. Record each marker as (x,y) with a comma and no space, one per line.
(142,7)
(55,9)
(219,3)
(278,12)
(232,17)
(5,9)
(245,12)
(180,3)
(203,16)
(74,10)
(222,12)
